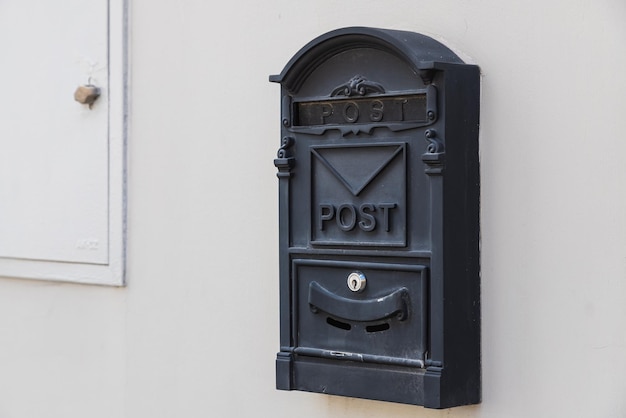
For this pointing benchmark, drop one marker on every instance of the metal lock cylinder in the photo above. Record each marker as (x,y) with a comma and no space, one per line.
(357,281)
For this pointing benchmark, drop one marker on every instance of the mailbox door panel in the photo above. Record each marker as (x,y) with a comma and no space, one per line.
(383,322)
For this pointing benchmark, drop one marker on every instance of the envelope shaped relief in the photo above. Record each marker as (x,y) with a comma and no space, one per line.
(359,195)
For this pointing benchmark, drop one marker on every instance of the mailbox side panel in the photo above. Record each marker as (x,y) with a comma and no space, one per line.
(455,377)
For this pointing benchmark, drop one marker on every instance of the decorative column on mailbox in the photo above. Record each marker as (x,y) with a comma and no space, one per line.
(379,220)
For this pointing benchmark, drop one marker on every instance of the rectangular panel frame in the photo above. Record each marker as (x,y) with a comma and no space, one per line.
(112,272)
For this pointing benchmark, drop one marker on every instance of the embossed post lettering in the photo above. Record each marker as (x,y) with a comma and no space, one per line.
(327,110)
(376,114)
(351,112)
(385,109)
(403,102)
(342,223)
(386,207)
(347,216)
(327,212)
(368,222)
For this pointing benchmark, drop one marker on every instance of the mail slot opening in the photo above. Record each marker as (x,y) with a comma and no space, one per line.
(338,324)
(378,327)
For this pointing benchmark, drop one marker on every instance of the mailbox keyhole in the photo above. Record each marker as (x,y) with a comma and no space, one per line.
(338,324)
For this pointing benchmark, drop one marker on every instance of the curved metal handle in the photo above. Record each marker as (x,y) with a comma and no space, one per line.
(367,310)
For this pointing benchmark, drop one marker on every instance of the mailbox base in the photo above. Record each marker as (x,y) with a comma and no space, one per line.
(344,378)
(408,385)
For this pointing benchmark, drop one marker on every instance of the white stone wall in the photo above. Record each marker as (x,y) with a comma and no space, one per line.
(195,332)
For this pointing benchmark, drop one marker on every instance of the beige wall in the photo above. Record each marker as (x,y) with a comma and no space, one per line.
(195,332)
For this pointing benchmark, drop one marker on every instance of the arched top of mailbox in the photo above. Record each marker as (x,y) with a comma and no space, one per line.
(420,52)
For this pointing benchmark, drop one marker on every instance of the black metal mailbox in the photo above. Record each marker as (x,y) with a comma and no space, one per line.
(379,220)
